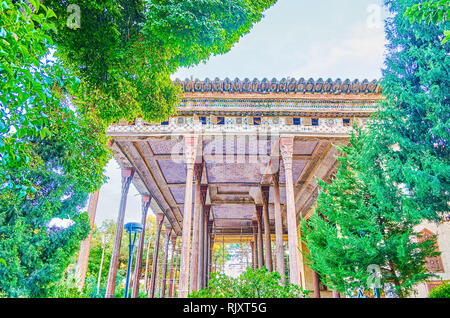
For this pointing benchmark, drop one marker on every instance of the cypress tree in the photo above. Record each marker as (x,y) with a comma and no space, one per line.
(394,174)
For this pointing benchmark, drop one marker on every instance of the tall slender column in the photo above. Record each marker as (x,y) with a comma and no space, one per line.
(177,258)
(172,266)
(278,227)
(196,231)
(140,250)
(206,210)
(210,251)
(253,247)
(316,281)
(201,238)
(336,294)
(183,287)
(85,247)
(255,239)
(287,147)
(164,269)
(159,222)
(259,209)
(146,266)
(267,238)
(127,176)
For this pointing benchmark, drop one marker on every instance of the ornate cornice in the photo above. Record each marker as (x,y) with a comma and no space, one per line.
(289,85)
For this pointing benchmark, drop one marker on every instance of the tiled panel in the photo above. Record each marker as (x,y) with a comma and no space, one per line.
(304,147)
(233,211)
(238,172)
(178,194)
(236,145)
(173,172)
(166,147)
(232,223)
(297,168)
(233,189)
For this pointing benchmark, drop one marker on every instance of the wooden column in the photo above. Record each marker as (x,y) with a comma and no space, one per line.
(140,248)
(201,238)
(206,211)
(210,251)
(127,176)
(267,237)
(196,230)
(253,247)
(172,266)
(166,258)
(159,222)
(316,284)
(183,287)
(336,294)
(85,246)
(278,227)
(255,239)
(286,147)
(259,209)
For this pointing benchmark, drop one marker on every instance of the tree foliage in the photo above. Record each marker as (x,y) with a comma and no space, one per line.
(442,291)
(358,223)
(433,11)
(396,172)
(124,51)
(53,148)
(251,284)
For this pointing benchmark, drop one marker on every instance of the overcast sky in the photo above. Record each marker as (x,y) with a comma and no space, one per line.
(296,38)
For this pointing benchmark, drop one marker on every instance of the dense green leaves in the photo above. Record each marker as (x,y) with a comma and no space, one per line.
(258,283)
(115,64)
(442,291)
(433,11)
(396,173)
(359,225)
(125,51)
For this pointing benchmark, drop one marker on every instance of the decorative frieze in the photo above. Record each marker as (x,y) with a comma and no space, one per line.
(287,86)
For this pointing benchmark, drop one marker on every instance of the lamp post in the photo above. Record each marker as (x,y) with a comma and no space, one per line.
(132,229)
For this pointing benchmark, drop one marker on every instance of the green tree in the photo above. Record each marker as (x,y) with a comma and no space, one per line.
(398,174)
(103,238)
(410,134)
(52,126)
(124,51)
(251,284)
(28,83)
(359,225)
(67,171)
(220,256)
(442,291)
(433,11)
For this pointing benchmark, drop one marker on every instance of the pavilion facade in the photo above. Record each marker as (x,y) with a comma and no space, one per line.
(238,163)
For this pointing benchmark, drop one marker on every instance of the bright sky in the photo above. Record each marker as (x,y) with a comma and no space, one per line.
(297,38)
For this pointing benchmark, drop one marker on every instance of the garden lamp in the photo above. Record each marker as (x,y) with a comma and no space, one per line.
(132,228)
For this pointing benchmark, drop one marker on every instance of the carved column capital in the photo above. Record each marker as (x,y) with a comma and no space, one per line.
(254,226)
(127,177)
(287,150)
(258,212)
(145,202)
(198,172)
(276,179)
(207,211)
(159,218)
(190,147)
(203,192)
(265,194)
